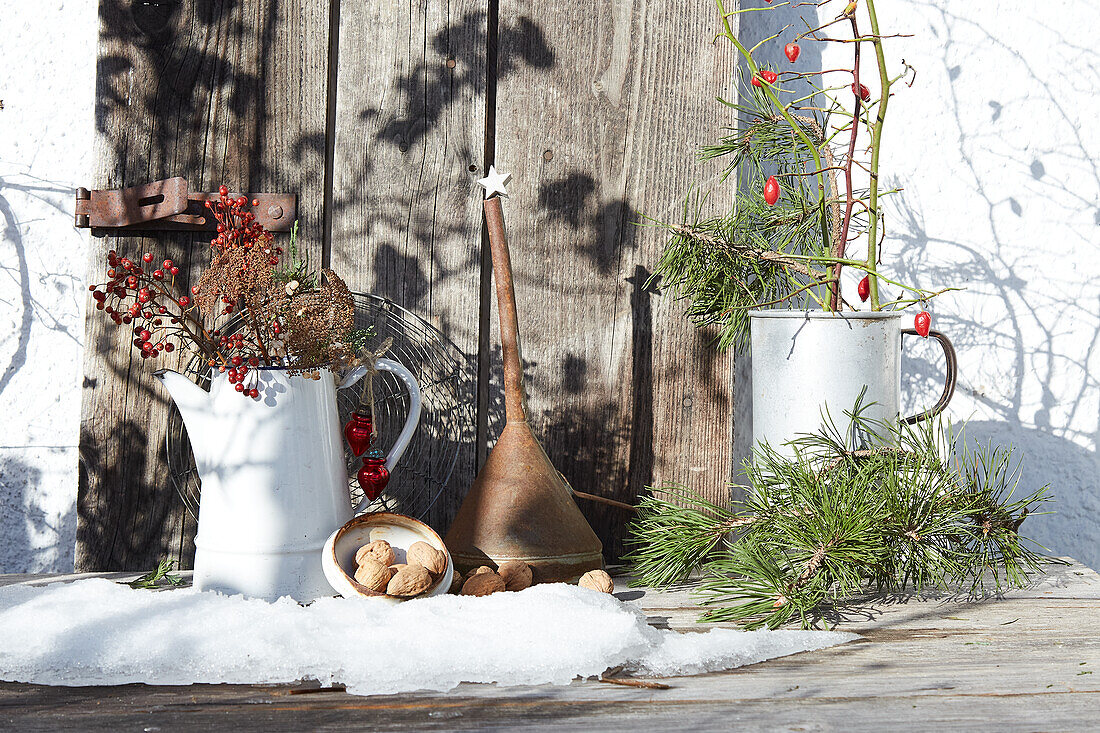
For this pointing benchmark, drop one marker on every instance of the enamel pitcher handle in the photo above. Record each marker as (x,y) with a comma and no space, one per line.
(406,377)
(949,383)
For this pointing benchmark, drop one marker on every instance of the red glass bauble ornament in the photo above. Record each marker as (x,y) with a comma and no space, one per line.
(359,433)
(373,476)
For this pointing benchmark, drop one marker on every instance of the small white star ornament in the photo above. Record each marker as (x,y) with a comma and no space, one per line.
(495,182)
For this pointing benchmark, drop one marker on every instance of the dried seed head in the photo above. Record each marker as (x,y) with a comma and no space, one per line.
(317,321)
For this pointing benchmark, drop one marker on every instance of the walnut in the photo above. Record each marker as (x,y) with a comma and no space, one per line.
(379,550)
(456,583)
(516,574)
(411,580)
(597,580)
(479,571)
(424,554)
(482,584)
(373,574)
(394,569)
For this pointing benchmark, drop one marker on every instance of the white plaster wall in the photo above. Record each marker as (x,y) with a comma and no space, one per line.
(996,146)
(47,85)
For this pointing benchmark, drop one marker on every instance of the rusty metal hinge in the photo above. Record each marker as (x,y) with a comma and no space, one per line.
(167,205)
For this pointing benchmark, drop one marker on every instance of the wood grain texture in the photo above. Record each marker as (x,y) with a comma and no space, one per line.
(602,122)
(922,662)
(597,111)
(406,223)
(218,92)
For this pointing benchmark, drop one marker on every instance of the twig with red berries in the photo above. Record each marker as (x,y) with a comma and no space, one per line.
(785,140)
(149,302)
(243,313)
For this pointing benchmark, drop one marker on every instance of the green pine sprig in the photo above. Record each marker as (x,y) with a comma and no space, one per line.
(834,515)
(161,577)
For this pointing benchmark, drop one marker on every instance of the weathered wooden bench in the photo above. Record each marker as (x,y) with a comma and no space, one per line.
(1025,661)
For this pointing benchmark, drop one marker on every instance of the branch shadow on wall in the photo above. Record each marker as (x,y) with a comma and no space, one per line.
(1049,387)
(412,235)
(428,95)
(26,527)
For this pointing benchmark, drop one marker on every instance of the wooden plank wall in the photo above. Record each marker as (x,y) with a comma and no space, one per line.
(220,92)
(595,108)
(601,125)
(409,145)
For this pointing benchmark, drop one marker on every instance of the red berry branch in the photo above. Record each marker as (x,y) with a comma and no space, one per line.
(854,204)
(237,315)
(815,155)
(149,303)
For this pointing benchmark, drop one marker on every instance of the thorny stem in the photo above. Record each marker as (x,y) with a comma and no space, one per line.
(826,169)
(257,331)
(840,246)
(862,38)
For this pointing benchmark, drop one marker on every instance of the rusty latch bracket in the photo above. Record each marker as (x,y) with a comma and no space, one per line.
(166,205)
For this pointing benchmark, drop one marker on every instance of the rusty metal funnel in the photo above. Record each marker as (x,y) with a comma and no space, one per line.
(520,507)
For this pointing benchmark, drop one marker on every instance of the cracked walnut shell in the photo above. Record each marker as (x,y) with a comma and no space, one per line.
(373,575)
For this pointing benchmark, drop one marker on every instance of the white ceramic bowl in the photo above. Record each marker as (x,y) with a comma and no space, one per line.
(338,557)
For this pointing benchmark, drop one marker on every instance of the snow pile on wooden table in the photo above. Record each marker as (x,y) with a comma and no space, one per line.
(97,632)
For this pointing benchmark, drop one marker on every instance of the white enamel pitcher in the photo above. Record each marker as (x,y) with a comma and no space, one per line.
(274,480)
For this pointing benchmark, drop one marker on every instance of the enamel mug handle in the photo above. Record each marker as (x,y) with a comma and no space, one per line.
(406,377)
(949,383)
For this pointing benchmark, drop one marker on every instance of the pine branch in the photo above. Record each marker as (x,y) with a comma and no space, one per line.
(881,505)
(674,535)
(770,257)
